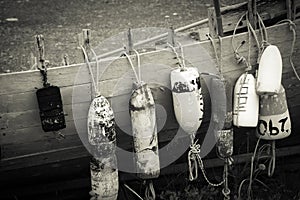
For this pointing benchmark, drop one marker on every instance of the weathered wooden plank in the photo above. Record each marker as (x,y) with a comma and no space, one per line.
(230,17)
(66,76)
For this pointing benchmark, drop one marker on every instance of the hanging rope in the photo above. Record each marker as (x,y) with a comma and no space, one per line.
(182,54)
(131,190)
(194,160)
(215,51)
(226,190)
(252,169)
(90,68)
(132,67)
(177,56)
(150,192)
(97,69)
(139,63)
(272,164)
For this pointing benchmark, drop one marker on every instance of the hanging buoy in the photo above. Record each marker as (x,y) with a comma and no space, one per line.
(104,178)
(269,71)
(102,138)
(245,102)
(144,129)
(274,119)
(187,98)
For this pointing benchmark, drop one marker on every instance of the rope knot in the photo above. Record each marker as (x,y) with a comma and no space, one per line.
(195,148)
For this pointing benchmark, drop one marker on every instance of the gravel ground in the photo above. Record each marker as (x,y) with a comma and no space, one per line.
(61,21)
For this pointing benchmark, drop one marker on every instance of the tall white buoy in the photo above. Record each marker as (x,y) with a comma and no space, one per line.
(269,71)
(274,118)
(187,98)
(102,139)
(245,102)
(144,129)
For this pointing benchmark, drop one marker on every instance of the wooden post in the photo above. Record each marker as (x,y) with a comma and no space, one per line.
(218,17)
(129,47)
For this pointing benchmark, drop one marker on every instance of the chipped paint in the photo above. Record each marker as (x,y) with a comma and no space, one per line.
(225,143)
(144,128)
(104,178)
(187,99)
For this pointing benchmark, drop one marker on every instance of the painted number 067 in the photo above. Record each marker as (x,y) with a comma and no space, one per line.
(264,126)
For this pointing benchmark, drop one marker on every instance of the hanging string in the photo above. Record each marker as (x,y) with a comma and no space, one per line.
(215,51)
(150,192)
(226,190)
(139,63)
(89,67)
(177,56)
(272,164)
(131,190)
(182,54)
(293,29)
(97,69)
(132,67)
(194,160)
(252,169)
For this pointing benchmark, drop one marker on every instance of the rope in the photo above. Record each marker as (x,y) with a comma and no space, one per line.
(89,67)
(215,51)
(139,63)
(194,160)
(150,192)
(226,190)
(182,54)
(252,169)
(177,56)
(293,29)
(272,164)
(97,68)
(132,67)
(131,190)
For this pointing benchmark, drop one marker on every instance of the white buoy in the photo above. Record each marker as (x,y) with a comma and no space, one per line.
(269,71)
(274,119)
(144,129)
(245,102)
(187,98)
(102,139)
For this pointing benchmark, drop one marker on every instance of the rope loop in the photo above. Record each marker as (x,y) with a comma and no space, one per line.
(194,160)
(150,192)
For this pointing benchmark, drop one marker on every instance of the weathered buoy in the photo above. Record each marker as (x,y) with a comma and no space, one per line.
(104,178)
(187,98)
(144,129)
(274,119)
(269,71)
(245,102)
(102,139)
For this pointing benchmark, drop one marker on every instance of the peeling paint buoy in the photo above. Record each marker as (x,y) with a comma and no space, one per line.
(274,118)
(144,129)
(102,139)
(187,98)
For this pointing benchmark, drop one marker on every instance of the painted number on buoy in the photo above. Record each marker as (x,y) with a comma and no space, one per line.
(264,127)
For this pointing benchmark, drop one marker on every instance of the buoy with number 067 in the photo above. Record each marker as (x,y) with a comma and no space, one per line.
(187,98)
(269,71)
(274,118)
(245,102)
